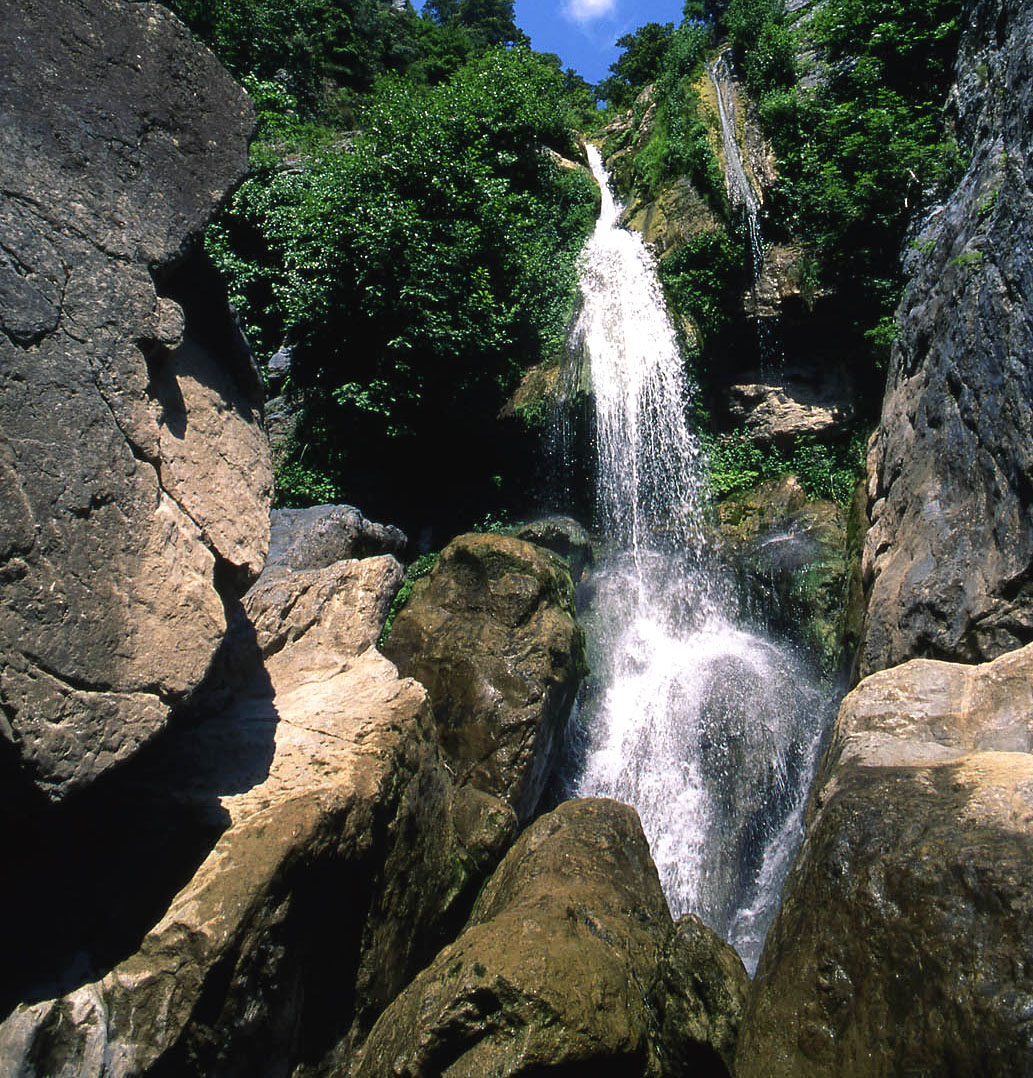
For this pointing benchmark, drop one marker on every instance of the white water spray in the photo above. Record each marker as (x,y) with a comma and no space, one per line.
(709,730)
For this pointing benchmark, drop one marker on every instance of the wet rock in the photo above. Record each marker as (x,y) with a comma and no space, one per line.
(491,633)
(336,864)
(790,557)
(903,944)
(949,557)
(569,964)
(133,468)
(563,536)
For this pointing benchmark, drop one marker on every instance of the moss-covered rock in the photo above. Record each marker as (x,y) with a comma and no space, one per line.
(570,965)
(790,555)
(492,635)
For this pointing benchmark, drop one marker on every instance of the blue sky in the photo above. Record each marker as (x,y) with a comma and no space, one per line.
(584,32)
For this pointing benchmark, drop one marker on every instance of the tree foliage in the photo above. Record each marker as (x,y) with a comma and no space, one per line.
(639,64)
(418,268)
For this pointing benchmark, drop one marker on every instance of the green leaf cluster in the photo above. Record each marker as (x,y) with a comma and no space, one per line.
(825,471)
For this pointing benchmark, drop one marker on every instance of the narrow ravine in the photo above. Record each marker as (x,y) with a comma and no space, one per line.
(710,730)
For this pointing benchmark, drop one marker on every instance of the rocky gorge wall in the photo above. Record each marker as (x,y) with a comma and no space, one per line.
(239,840)
(903,942)
(133,466)
(948,562)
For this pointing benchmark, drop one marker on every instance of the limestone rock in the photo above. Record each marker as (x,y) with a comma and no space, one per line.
(816,403)
(329,884)
(133,469)
(491,634)
(569,964)
(949,557)
(905,940)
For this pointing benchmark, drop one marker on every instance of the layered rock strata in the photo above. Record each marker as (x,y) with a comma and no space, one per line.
(569,964)
(903,942)
(949,558)
(134,475)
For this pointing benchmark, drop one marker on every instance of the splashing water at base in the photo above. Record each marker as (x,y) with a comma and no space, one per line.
(709,730)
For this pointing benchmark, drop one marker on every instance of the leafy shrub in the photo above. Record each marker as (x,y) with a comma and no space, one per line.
(830,472)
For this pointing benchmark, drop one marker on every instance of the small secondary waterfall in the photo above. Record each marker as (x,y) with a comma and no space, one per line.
(741,194)
(740,191)
(709,730)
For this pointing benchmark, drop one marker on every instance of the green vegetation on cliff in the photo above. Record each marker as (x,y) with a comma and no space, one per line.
(862,142)
(410,229)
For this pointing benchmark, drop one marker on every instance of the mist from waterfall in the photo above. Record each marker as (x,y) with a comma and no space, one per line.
(710,730)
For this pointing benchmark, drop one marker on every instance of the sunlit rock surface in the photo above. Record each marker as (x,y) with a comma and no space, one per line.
(906,929)
(134,473)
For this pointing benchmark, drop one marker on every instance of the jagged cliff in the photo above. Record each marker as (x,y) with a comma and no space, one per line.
(948,562)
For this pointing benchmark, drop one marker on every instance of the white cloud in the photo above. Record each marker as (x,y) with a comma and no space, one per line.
(586,10)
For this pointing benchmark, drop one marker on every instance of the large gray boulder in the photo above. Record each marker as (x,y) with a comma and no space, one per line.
(569,964)
(949,558)
(134,474)
(905,940)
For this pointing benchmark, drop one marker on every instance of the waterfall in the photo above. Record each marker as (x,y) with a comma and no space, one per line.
(708,729)
(741,195)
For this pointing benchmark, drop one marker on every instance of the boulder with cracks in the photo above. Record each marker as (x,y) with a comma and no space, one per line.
(134,474)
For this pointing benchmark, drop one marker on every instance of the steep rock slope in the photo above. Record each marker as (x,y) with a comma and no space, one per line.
(948,561)
(134,475)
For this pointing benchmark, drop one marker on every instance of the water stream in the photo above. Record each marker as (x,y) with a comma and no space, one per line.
(709,729)
(742,197)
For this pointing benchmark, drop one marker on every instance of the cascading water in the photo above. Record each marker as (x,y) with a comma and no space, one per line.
(709,730)
(740,191)
(741,194)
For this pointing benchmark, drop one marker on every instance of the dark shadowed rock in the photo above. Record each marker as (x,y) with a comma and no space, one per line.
(905,937)
(317,537)
(569,964)
(134,475)
(491,634)
(342,851)
(949,557)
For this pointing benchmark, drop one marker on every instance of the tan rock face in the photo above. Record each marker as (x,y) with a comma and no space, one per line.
(902,945)
(133,466)
(569,963)
(337,863)
(491,634)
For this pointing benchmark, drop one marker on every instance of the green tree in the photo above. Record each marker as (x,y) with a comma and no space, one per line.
(639,64)
(416,272)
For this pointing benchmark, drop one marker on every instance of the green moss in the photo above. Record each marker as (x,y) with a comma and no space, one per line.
(419,568)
